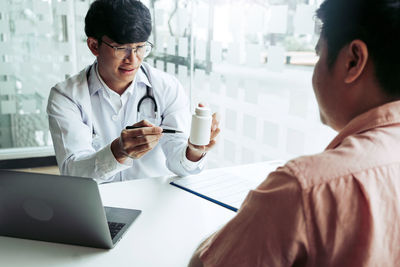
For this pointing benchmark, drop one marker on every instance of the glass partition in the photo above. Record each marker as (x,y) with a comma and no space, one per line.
(41,43)
(251,61)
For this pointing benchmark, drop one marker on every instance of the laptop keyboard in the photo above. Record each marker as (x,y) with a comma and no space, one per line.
(115,228)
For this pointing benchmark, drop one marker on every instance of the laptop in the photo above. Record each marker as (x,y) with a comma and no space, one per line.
(61,209)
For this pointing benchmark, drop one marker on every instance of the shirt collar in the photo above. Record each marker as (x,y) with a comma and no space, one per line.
(384,115)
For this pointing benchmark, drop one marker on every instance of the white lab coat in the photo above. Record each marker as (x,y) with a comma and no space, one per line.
(83,123)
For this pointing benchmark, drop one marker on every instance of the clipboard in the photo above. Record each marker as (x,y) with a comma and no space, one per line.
(227,187)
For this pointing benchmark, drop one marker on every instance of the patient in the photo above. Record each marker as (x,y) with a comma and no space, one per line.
(340,207)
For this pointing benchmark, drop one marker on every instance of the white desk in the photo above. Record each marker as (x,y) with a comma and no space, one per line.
(172,224)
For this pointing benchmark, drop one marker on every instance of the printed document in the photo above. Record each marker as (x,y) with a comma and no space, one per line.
(227,186)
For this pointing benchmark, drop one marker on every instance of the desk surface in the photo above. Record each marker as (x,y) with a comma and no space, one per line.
(171,226)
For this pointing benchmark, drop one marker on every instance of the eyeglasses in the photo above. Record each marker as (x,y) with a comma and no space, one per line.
(141,51)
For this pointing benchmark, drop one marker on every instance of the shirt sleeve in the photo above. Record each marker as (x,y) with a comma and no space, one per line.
(192,165)
(72,140)
(269,229)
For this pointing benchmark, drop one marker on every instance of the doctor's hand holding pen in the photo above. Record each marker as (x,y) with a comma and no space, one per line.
(196,152)
(136,140)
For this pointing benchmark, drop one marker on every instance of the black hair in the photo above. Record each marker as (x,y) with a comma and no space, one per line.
(124,21)
(377,24)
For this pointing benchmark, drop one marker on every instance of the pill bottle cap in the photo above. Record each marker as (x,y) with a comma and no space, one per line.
(203,111)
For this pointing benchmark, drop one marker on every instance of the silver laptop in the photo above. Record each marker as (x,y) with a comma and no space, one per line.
(60,209)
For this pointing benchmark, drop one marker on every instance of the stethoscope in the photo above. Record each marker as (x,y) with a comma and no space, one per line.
(149,95)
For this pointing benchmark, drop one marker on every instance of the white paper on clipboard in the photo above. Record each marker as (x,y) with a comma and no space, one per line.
(227,187)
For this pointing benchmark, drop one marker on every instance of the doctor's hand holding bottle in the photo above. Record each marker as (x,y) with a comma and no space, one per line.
(197,145)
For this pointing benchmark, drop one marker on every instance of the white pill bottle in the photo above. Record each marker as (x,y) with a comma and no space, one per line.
(201,126)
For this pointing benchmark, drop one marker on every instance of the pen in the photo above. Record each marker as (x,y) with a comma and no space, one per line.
(164,130)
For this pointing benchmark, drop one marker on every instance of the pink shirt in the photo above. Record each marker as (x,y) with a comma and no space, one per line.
(337,208)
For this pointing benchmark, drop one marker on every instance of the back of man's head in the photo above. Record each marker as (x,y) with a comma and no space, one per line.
(375,22)
(124,21)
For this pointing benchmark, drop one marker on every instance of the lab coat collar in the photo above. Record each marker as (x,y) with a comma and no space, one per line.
(93,81)
(141,77)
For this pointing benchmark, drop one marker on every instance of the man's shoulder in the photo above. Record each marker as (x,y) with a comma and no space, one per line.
(72,85)
(325,167)
(312,170)
(356,154)
(75,88)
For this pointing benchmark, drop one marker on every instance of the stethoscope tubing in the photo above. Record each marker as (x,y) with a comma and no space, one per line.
(149,95)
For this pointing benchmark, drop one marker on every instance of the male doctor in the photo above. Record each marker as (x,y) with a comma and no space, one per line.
(88,113)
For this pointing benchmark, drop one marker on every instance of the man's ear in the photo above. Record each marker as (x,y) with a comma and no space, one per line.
(356,60)
(93,45)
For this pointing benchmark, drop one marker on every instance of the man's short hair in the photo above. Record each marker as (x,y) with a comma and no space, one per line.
(124,21)
(375,22)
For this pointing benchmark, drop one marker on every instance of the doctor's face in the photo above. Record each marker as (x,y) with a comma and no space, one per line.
(116,67)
